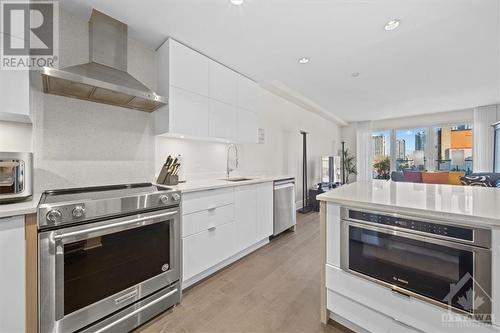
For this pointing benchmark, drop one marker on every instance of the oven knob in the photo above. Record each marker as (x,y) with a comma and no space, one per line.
(164,199)
(78,212)
(53,215)
(176,196)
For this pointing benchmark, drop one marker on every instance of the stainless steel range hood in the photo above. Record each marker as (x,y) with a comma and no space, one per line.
(104,79)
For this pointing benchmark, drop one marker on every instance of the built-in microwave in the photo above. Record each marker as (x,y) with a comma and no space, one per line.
(445,264)
(16,171)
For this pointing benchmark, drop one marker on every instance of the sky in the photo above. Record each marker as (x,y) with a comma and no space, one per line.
(407,135)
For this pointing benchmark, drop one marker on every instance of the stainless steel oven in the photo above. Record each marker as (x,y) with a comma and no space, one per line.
(442,263)
(91,271)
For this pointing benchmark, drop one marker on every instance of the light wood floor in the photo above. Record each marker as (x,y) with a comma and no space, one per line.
(275,289)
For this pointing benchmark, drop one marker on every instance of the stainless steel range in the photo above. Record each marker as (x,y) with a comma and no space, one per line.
(109,257)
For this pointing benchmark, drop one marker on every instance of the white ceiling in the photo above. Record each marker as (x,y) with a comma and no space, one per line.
(444,56)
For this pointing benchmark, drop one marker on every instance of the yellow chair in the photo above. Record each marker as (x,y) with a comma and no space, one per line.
(454,177)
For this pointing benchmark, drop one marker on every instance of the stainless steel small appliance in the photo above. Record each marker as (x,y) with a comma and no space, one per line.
(284,205)
(109,257)
(16,171)
(442,263)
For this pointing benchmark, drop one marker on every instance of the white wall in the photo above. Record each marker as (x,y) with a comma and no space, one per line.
(79,143)
(280,154)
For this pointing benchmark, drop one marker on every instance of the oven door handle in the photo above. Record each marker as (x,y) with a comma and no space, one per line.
(123,224)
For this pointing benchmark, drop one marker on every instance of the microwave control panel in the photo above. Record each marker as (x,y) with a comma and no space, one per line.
(421,226)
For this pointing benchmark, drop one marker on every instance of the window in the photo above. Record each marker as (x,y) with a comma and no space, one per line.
(381,142)
(454,148)
(410,149)
(441,148)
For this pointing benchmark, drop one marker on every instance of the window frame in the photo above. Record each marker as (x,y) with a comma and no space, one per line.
(430,149)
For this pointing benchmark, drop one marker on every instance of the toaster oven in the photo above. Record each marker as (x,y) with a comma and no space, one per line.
(16,170)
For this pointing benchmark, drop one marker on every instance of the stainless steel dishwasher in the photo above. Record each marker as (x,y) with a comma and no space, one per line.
(284,205)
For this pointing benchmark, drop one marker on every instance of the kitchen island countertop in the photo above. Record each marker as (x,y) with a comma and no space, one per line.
(468,205)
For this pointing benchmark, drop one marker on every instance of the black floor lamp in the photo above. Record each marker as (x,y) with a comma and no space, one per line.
(305,203)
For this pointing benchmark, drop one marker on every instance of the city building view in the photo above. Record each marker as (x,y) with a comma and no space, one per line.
(454,148)
(450,147)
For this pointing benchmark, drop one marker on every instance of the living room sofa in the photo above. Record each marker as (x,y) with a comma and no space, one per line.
(489,179)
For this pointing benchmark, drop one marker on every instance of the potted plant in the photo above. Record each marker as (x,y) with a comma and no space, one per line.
(382,167)
(349,165)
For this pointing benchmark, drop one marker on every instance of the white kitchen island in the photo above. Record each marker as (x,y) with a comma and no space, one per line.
(353,289)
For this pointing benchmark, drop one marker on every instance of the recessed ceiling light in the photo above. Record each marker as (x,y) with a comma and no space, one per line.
(355,74)
(303,60)
(182,136)
(237,2)
(392,24)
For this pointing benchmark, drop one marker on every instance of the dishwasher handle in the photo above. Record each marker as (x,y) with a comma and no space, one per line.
(288,181)
(282,186)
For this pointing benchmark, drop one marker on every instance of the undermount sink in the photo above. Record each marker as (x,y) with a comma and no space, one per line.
(236,179)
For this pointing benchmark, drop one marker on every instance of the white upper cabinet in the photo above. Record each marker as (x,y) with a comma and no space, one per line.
(248,127)
(188,69)
(248,94)
(222,120)
(14,95)
(189,113)
(206,99)
(223,83)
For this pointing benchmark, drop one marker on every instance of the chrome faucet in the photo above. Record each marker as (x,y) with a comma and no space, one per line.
(232,145)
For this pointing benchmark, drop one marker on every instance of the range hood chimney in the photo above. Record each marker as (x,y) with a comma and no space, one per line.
(104,79)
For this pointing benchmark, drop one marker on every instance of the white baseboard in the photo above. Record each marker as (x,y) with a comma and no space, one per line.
(224,263)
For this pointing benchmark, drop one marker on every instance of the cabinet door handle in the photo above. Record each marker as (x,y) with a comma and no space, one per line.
(212,228)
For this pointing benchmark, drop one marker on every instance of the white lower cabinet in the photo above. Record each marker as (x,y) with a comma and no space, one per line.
(364,318)
(265,193)
(207,248)
(245,198)
(377,309)
(12,277)
(223,224)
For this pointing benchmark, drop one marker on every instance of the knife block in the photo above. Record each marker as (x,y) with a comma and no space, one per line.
(171,180)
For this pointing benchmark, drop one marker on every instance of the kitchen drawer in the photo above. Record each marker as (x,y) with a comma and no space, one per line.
(202,200)
(206,249)
(364,317)
(409,310)
(199,221)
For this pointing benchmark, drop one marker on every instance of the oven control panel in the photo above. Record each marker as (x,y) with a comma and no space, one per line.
(421,226)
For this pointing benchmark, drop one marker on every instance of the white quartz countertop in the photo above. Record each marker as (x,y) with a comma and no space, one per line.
(29,206)
(209,184)
(463,204)
(20,208)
